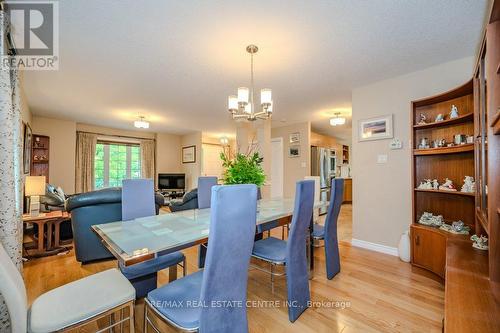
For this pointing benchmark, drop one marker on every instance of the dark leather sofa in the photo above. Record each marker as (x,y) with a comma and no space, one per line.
(189,201)
(96,207)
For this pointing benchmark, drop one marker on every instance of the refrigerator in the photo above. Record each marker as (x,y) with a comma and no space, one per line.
(323,164)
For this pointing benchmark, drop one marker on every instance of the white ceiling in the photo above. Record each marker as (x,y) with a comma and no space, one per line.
(177,61)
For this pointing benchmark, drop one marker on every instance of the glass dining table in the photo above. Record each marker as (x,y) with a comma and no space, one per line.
(141,239)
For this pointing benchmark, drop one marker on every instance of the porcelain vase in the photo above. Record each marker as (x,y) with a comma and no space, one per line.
(404,247)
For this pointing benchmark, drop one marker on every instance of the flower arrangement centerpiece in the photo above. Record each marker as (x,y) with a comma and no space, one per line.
(243,168)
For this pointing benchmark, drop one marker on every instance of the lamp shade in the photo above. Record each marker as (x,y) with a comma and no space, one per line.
(265,96)
(243,94)
(232,103)
(35,185)
(248,108)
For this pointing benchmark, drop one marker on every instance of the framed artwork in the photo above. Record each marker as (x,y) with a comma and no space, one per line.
(295,137)
(377,128)
(28,138)
(294,151)
(189,154)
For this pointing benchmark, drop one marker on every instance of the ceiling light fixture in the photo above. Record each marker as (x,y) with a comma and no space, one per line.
(337,120)
(242,106)
(141,123)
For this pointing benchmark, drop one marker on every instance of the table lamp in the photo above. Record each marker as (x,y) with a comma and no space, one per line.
(34,188)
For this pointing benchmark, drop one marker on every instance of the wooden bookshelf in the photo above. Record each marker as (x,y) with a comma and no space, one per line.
(40,156)
(454,162)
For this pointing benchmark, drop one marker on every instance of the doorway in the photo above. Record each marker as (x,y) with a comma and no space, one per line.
(277,168)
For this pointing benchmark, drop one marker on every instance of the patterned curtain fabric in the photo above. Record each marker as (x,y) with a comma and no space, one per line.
(11,226)
(147,159)
(85,156)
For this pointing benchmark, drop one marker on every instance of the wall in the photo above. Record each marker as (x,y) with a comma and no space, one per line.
(192,170)
(63,145)
(295,168)
(382,192)
(62,135)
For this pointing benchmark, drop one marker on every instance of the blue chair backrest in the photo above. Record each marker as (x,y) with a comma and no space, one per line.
(296,260)
(331,240)
(204,191)
(233,217)
(138,198)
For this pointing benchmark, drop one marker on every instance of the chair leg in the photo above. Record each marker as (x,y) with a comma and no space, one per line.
(131,316)
(272,278)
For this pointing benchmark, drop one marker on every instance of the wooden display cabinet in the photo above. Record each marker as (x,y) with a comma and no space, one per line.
(453,162)
(40,156)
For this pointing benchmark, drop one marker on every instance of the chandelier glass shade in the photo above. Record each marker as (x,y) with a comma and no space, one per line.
(242,105)
(141,123)
(337,120)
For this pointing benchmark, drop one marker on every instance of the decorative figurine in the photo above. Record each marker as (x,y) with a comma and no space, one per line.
(469,139)
(431,220)
(424,143)
(422,120)
(456,227)
(425,185)
(479,242)
(447,185)
(460,139)
(453,112)
(439,118)
(435,184)
(438,143)
(469,185)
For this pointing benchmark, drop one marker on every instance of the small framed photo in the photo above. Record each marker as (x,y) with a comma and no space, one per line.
(294,151)
(295,137)
(189,154)
(377,128)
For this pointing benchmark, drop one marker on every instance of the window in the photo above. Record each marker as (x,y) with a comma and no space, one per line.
(115,162)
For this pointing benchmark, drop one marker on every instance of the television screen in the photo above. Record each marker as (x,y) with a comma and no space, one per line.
(171,181)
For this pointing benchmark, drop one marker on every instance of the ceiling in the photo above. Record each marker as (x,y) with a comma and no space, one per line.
(177,61)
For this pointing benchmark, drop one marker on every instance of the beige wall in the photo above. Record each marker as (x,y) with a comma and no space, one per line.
(192,170)
(382,192)
(62,135)
(295,168)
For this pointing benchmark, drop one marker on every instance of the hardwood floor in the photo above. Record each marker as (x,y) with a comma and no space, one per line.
(373,292)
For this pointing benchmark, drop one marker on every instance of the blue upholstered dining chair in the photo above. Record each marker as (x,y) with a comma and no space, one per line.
(328,232)
(292,253)
(138,201)
(205,185)
(187,303)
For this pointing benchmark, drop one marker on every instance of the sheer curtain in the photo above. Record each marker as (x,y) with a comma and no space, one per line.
(11,226)
(85,158)
(148,159)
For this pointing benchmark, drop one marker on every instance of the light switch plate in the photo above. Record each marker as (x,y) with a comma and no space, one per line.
(381,159)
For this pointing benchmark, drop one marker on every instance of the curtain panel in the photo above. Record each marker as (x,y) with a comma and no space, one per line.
(85,158)
(148,159)
(11,181)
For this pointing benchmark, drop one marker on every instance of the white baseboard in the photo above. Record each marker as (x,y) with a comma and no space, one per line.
(393,251)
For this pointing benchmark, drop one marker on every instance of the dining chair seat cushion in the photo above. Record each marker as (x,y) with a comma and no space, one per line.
(178,300)
(152,266)
(270,249)
(79,300)
(318,231)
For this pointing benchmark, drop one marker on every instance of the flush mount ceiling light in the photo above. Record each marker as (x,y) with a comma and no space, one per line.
(337,120)
(224,140)
(242,106)
(141,123)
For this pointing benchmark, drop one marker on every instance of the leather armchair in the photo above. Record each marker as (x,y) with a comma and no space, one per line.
(189,201)
(96,207)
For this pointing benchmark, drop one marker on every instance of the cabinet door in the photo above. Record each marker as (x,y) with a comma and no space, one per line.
(429,250)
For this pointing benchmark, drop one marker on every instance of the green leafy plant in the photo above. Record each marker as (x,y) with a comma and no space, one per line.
(243,168)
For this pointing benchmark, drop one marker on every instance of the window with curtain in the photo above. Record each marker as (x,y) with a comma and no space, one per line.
(115,162)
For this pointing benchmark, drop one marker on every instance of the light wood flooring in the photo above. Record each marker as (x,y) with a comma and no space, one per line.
(375,292)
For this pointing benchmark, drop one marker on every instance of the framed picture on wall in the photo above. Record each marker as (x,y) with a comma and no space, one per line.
(377,128)
(295,137)
(189,154)
(28,138)
(294,151)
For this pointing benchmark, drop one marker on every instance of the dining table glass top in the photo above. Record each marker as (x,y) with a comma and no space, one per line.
(142,238)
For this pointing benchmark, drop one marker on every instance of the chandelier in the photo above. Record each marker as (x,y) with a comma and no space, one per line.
(337,120)
(242,106)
